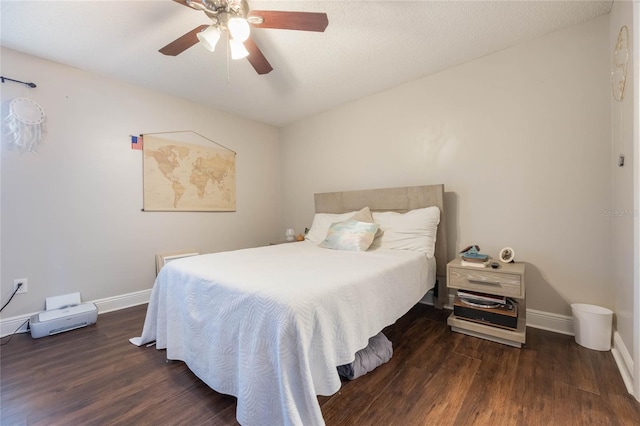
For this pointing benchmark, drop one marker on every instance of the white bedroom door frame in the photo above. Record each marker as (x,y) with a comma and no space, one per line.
(636,201)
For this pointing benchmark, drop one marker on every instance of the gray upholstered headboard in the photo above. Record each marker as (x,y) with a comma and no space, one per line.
(401,200)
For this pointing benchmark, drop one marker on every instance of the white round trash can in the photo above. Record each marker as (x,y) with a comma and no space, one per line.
(592,325)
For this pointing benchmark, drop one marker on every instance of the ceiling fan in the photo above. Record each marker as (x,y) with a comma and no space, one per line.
(234,19)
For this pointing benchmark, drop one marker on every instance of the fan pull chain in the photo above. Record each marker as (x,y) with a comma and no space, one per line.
(228,61)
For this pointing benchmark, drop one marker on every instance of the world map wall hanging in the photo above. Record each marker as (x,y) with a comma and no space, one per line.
(184,171)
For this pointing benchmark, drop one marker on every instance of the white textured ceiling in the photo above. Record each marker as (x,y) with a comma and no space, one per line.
(369,46)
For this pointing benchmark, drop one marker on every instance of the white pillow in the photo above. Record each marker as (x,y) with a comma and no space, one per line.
(322,222)
(414,230)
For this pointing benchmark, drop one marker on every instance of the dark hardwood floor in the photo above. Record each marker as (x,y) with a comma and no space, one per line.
(94,376)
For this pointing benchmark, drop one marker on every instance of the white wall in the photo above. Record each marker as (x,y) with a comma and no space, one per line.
(71,213)
(520,138)
(622,250)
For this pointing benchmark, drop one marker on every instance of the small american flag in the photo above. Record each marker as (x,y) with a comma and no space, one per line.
(136,142)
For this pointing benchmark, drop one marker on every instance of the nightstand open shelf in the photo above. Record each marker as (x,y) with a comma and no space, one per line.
(508,280)
(501,335)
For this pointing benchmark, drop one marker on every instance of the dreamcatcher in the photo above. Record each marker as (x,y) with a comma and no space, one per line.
(620,64)
(25,124)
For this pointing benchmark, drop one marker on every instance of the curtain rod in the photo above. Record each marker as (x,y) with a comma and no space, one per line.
(32,85)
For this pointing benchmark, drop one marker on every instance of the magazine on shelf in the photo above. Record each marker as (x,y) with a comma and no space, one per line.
(475,264)
(468,294)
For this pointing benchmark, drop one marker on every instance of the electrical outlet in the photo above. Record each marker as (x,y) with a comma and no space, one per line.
(24,288)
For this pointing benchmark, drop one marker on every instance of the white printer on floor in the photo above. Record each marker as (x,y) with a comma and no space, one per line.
(63,313)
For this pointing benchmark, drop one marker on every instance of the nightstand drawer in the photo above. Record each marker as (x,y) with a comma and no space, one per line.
(499,283)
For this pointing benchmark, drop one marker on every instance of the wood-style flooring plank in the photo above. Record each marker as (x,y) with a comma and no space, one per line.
(489,398)
(531,389)
(452,380)
(573,405)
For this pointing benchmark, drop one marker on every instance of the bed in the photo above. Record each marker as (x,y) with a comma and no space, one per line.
(270,325)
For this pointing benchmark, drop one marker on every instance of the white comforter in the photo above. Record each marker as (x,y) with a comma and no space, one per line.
(269,325)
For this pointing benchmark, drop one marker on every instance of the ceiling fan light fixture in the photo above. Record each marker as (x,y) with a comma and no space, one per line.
(209,37)
(239,29)
(233,18)
(238,51)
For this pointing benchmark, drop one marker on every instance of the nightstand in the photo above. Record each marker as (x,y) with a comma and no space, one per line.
(508,280)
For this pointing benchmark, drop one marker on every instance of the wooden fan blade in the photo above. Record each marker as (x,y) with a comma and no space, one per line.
(302,21)
(256,58)
(181,44)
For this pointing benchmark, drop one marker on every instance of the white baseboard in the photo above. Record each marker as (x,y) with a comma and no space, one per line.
(427,299)
(557,323)
(10,325)
(122,301)
(624,360)
(17,324)
(537,319)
